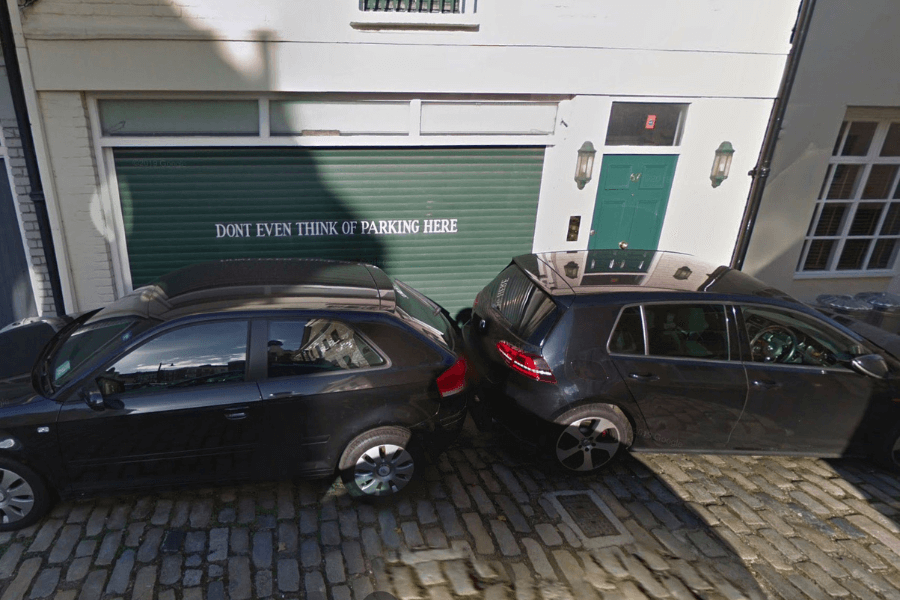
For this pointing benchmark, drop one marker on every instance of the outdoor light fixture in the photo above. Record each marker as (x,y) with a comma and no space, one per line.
(585,165)
(571,269)
(682,273)
(722,164)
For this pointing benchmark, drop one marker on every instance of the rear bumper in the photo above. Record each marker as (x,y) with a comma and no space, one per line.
(443,428)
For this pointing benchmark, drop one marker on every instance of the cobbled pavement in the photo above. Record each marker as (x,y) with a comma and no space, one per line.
(481,524)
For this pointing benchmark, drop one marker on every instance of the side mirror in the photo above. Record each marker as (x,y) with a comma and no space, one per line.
(872,365)
(93,398)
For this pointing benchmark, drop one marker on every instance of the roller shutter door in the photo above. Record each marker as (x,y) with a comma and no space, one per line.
(445,220)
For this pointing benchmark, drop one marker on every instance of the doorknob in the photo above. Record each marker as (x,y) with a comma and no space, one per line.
(623,245)
(592,232)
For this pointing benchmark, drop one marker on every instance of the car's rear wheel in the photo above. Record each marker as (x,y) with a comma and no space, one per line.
(24,497)
(590,437)
(380,462)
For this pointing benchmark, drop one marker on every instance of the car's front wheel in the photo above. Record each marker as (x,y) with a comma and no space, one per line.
(24,497)
(590,436)
(380,462)
(887,454)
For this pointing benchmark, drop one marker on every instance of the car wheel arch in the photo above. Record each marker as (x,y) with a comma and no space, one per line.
(559,417)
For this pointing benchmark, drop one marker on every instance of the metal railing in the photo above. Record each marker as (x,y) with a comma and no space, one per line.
(413,6)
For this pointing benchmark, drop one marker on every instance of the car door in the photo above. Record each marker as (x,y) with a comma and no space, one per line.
(677,360)
(803,395)
(322,376)
(177,408)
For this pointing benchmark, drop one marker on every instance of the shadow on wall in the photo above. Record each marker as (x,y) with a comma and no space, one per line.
(16,292)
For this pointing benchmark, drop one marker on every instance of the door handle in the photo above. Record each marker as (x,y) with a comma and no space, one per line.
(765,385)
(274,395)
(235,415)
(623,245)
(643,376)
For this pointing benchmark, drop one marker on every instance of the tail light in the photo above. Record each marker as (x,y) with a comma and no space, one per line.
(453,380)
(526,363)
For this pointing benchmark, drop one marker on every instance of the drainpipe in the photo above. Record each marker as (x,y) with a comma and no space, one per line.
(8,46)
(760,172)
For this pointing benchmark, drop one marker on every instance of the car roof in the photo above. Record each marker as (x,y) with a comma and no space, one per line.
(259,284)
(593,272)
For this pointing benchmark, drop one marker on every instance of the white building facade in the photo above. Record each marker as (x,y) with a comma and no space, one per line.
(829,220)
(436,141)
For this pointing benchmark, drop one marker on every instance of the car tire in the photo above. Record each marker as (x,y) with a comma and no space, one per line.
(24,497)
(589,437)
(380,462)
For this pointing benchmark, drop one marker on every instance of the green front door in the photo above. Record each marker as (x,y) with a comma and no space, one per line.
(631,201)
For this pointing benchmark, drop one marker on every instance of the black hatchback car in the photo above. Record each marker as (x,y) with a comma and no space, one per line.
(612,349)
(235,370)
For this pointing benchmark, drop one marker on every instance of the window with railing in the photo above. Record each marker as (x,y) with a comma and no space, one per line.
(855,228)
(413,6)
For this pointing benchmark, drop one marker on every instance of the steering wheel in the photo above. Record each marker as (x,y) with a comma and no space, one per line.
(775,343)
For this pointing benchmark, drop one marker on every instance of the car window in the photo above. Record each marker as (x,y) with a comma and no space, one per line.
(83,344)
(628,336)
(195,355)
(302,347)
(793,338)
(687,330)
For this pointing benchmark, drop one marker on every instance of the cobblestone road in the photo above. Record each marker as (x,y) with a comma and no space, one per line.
(490,521)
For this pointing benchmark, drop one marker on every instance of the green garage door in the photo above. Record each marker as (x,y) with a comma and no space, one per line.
(445,220)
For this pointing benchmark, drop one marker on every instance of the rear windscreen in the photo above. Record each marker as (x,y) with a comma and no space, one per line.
(519,301)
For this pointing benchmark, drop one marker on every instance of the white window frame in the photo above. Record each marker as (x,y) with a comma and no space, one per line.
(884,119)
(109,186)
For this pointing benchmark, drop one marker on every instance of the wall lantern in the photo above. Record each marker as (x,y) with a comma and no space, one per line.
(585,165)
(682,273)
(722,164)
(571,269)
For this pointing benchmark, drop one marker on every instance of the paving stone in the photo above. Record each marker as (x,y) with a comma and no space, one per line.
(239,581)
(334,567)
(78,568)
(388,527)
(96,521)
(449,520)
(262,549)
(412,535)
(215,571)
(263,583)
(539,561)
(505,538)
(170,572)
(161,513)
(482,501)
(45,583)
(459,578)
(150,547)
(10,559)
(288,576)
(180,513)
(287,538)
(121,574)
(218,544)
(483,542)
(118,517)
(92,588)
(330,533)
(194,542)
(134,534)
(227,516)
(240,541)
(310,555)
(45,535)
(201,512)
(192,577)
(144,583)
(215,591)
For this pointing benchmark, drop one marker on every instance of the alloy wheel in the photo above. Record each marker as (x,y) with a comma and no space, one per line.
(16,497)
(587,444)
(383,470)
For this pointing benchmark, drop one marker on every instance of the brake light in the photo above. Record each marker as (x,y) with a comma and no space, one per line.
(453,380)
(526,363)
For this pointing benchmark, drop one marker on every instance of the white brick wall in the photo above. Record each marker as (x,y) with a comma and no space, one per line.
(69,144)
(21,189)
